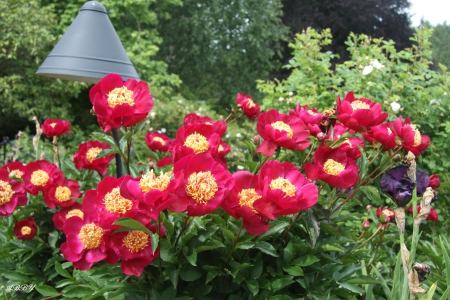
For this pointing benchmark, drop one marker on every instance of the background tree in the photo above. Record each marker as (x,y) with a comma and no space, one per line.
(440,41)
(376,18)
(220,47)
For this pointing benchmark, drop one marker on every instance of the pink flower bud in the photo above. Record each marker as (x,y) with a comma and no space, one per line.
(434,181)
(366,224)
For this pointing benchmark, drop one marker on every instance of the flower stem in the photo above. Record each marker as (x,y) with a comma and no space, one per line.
(185,226)
(365,242)
(235,242)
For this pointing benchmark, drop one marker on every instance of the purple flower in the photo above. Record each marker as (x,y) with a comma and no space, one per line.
(397,185)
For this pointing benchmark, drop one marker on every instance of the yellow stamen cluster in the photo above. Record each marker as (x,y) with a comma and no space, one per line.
(53,125)
(417,136)
(247,197)
(135,241)
(250,103)
(90,236)
(283,184)
(6,192)
(333,167)
(201,187)
(16,173)
(115,203)
(92,153)
(358,104)
(149,181)
(75,213)
(279,125)
(197,142)
(25,230)
(62,193)
(310,112)
(120,96)
(39,178)
(160,140)
(329,112)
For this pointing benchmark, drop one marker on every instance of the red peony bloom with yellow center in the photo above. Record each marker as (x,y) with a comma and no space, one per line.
(157,141)
(86,243)
(196,139)
(106,204)
(60,217)
(134,248)
(120,103)
(86,157)
(40,175)
(284,189)
(383,135)
(281,130)
(219,127)
(240,200)
(151,191)
(12,193)
(55,127)
(25,229)
(62,192)
(250,108)
(359,113)
(334,167)
(310,116)
(409,136)
(204,185)
(16,169)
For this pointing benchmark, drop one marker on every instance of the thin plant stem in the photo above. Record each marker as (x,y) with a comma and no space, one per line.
(186,224)
(234,243)
(290,227)
(365,242)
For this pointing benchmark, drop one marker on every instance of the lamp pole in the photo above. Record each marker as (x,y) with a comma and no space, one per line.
(89,50)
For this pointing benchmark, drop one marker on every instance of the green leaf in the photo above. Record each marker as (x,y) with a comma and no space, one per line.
(103,137)
(447,260)
(282,282)
(351,287)
(294,270)
(372,193)
(64,282)
(362,164)
(173,276)
(277,229)
(46,290)
(190,273)
(131,224)
(305,260)
(78,291)
(430,293)
(383,283)
(446,293)
(208,245)
(313,226)
(385,161)
(53,238)
(59,269)
(266,248)
(155,241)
(167,252)
(361,279)
(245,245)
(253,286)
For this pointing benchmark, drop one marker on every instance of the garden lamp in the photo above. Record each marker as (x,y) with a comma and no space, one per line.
(89,50)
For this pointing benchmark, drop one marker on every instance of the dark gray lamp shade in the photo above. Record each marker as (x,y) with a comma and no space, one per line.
(89,50)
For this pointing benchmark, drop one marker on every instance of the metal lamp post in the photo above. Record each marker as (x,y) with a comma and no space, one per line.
(89,50)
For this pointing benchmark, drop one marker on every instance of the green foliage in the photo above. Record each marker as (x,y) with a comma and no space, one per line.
(219,48)
(439,47)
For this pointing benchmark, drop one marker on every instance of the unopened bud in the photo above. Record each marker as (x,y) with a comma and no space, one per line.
(256,139)
(321,136)
(369,206)
(366,224)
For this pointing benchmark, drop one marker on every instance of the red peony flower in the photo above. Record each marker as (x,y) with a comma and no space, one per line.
(251,109)
(54,127)
(310,116)
(85,158)
(15,169)
(281,130)
(239,203)
(118,103)
(284,189)
(385,215)
(409,136)
(219,127)
(39,176)
(359,113)
(60,217)
(106,205)
(334,167)
(205,183)
(152,192)
(134,248)
(195,139)
(350,145)
(12,194)
(157,141)
(383,135)
(432,216)
(62,192)
(25,229)
(434,181)
(86,243)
